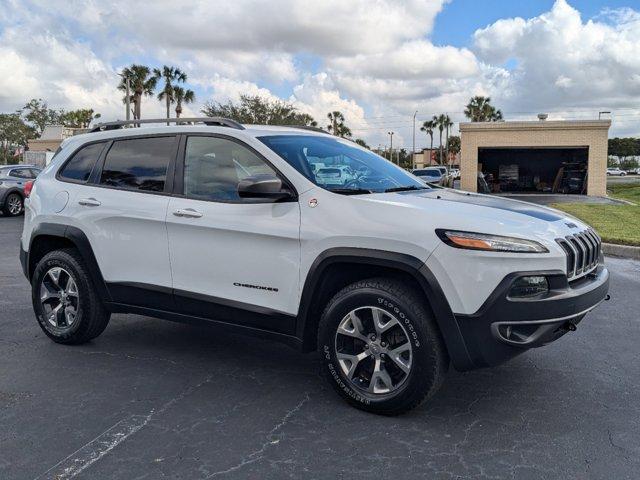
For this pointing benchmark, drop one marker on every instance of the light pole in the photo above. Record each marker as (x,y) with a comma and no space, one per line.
(391,146)
(127,100)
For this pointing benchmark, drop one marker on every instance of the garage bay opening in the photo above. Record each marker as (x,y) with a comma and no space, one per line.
(535,170)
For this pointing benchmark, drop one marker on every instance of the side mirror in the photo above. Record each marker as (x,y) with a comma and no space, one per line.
(264,186)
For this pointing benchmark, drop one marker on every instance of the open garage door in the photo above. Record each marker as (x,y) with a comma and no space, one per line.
(535,170)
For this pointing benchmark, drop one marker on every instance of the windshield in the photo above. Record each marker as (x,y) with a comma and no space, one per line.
(340,166)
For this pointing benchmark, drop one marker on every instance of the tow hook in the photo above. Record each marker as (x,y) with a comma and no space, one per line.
(570,327)
(607,298)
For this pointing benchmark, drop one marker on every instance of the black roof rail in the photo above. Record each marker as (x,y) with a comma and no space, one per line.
(211,121)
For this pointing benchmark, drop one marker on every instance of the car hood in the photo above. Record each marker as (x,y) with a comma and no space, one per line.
(484,213)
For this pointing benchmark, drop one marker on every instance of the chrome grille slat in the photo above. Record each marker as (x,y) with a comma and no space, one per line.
(583,251)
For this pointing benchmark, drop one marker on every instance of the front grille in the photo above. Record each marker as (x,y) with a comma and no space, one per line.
(582,251)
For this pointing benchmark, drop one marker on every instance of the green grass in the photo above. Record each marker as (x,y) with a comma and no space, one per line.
(615,223)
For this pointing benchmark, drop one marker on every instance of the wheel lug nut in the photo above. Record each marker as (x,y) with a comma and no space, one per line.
(366,346)
(383,344)
(372,337)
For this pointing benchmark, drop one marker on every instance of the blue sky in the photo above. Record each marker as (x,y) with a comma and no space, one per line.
(377,62)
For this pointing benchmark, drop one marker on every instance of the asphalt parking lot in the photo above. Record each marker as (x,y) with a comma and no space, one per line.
(151,399)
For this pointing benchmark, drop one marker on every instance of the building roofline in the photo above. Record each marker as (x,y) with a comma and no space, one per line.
(535,125)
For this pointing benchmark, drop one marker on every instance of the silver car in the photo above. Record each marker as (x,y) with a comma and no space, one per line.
(431,175)
(12,181)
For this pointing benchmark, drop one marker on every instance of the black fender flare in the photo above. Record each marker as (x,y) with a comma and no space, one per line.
(78,238)
(411,265)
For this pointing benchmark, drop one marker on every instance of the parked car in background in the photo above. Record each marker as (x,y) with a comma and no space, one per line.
(431,175)
(454,173)
(616,172)
(335,175)
(12,181)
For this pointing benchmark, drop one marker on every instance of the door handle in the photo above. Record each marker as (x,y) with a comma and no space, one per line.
(188,213)
(89,202)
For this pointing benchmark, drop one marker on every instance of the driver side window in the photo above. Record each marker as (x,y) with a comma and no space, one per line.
(213,167)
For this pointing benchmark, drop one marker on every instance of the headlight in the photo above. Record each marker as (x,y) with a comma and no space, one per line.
(489,243)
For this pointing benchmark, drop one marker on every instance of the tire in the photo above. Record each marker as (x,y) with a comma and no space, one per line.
(410,379)
(13,205)
(82,316)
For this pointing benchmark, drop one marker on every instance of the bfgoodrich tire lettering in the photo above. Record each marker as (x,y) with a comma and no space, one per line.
(61,274)
(425,366)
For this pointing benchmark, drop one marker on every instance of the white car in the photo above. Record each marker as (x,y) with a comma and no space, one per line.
(616,172)
(225,224)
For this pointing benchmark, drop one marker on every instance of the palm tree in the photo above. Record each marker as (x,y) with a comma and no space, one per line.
(479,109)
(170,75)
(447,124)
(440,122)
(181,96)
(337,126)
(140,83)
(428,126)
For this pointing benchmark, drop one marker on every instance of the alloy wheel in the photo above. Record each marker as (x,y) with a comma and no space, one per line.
(14,204)
(374,350)
(59,298)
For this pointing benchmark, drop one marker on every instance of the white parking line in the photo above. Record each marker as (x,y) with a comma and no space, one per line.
(97,448)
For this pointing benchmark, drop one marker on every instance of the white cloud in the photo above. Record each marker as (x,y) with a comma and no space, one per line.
(373,60)
(565,62)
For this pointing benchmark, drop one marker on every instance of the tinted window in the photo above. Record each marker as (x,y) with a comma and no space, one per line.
(214,166)
(339,165)
(79,167)
(138,164)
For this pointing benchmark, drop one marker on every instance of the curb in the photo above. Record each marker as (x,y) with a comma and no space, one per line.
(626,251)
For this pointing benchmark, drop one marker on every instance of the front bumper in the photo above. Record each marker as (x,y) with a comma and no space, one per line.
(503,328)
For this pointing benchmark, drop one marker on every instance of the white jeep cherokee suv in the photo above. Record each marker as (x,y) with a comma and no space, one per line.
(227,224)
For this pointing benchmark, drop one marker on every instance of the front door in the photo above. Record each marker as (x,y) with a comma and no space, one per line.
(232,259)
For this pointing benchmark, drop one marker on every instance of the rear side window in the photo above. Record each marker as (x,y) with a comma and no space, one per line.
(19,173)
(138,164)
(79,167)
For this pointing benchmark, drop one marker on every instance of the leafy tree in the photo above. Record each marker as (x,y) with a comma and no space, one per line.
(337,125)
(182,96)
(80,118)
(14,133)
(454,144)
(479,109)
(624,147)
(362,143)
(39,115)
(141,83)
(259,110)
(171,76)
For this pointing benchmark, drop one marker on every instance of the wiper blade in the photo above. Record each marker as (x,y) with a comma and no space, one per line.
(350,191)
(404,189)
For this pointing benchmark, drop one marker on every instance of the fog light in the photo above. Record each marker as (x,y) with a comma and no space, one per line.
(529,287)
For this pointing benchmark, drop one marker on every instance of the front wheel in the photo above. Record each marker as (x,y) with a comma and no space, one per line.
(381,348)
(65,300)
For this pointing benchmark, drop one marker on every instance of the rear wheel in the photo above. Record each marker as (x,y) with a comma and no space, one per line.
(65,300)
(381,347)
(13,205)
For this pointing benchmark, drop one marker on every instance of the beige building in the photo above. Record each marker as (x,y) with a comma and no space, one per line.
(536,156)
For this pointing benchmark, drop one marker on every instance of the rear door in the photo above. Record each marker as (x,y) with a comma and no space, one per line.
(122,209)
(226,250)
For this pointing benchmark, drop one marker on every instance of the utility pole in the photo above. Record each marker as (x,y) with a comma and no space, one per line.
(391,146)
(413,149)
